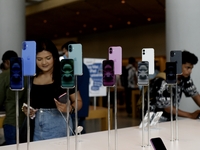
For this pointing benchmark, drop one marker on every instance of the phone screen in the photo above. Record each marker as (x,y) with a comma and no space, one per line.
(63,98)
(16,74)
(171,72)
(108,73)
(67,73)
(143,73)
(158,144)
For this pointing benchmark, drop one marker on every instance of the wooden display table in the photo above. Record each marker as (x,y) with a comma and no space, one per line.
(101,113)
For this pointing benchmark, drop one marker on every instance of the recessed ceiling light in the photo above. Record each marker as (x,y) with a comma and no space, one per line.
(67,33)
(77,12)
(94,28)
(80,31)
(110,25)
(123,1)
(128,22)
(44,21)
(148,19)
(84,25)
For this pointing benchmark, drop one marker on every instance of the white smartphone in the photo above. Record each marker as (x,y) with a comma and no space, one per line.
(148,55)
(156,118)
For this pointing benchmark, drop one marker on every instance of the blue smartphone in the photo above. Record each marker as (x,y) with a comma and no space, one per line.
(75,53)
(29,57)
(67,73)
(16,74)
(108,73)
(115,54)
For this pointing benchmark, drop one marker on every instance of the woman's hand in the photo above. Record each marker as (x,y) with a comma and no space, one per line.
(32,111)
(61,106)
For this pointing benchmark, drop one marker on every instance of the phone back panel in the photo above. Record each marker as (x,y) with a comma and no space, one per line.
(29,57)
(16,74)
(148,55)
(108,73)
(143,73)
(67,73)
(176,56)
(75,52)
(115,54)
(171,72)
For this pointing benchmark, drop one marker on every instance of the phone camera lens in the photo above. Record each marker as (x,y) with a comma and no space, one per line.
(143,53)
(143,50)
(24,46)
(110,51)
(172,54)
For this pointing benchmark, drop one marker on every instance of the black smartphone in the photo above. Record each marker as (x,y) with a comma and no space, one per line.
(176,56)
(67,73)
(16,74)
(157,144)
(108,73)
(63,98)
(171,72)
(143,73)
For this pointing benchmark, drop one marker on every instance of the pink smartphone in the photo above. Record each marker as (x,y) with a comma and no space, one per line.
(115,54)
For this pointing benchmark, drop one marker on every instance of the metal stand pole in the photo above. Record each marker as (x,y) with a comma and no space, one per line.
(171,111)
(116,137)
(108,118)
(95,102)
(76,115)
(148,101)
(176,100)
(17,117)
(28,121)
(68,107)
(143,116)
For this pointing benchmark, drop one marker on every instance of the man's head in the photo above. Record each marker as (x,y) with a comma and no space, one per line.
(188,62)
(65,47)
(6,58)
(131,60)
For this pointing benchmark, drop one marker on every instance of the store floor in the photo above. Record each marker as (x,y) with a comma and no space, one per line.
(123,120)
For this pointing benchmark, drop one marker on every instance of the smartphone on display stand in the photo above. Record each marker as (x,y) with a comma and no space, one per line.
(67,73)
(157,144)
(108,73)
(171,72)
(16,74)
(75,53)
(29,57)
(143,73)
(115,54)
(148,55)
(176,56)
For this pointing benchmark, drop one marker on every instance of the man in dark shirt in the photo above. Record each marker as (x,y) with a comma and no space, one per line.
(160,92)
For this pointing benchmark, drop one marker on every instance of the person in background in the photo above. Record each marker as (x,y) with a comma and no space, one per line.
(2,68)
(160,91)
(8,100)
(83,87)
(49,114)
(131,83)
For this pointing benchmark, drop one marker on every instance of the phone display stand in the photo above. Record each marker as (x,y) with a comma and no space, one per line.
(176,121)
(148,114)
(68,137)
(116,135)
(108,118)
(28,103)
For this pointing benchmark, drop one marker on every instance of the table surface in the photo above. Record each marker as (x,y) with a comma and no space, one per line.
(127,139)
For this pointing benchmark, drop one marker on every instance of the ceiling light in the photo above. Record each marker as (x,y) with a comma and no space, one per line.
(44,21)
(84,25)
(110,25)
(123,1)
(67,33)
(77,12)
(94,28)
(128,22)
(80,31)
(148,19)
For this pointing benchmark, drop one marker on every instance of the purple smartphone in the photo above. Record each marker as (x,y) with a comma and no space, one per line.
(115,54)
(108,73)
